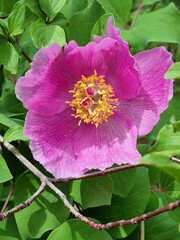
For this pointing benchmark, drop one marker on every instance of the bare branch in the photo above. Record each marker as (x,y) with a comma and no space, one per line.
(97,174)
(24,204)
(48,182)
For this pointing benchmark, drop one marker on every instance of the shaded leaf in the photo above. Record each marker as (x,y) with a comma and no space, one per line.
(81,23)
(73,6)
(119,9)
(93,192)
(45,213)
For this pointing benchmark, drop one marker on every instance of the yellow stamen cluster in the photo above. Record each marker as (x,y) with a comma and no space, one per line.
(96,106)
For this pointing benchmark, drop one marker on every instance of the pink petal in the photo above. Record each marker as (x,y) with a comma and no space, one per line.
(108,58)
(155,93)
(52,140)
(109,143)
(44,89)
(114,33)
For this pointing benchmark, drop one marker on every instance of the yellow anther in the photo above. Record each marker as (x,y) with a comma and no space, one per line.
(96,107)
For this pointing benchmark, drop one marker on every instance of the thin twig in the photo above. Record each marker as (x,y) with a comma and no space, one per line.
(25,55)
(24,204)
(46,182)
(97,174)
(7,200)
(14,79)
(137,13)
(174,159)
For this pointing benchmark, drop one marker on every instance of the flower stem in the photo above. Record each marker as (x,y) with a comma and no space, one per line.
(137,13)
(142,230)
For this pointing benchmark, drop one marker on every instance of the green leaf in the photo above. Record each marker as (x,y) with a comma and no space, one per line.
(45,213)
(161,161)
(44,35)
(1,79)
(5,173)
(100,24)
(161,227)
(93,192)
(8,229)
(76,230)
(154,175)
(4,26)
(123,182)
(172,110)
(161,25)
(171,194)
(16,18)
(173,71)
(119,9)
(11,105)
(81,23)
(168,141)
(34,6)
(15,133)
(6,6)
(73,6)
(153,203)
(7,121)
(132,205)
(51,6)
(8,56)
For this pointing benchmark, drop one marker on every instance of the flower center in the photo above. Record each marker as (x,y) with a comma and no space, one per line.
(93,100)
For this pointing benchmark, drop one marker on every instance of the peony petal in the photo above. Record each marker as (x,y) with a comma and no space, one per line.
(44,89)
(52,140)
(109,143)
(108,58)
(114,33)
(155,92)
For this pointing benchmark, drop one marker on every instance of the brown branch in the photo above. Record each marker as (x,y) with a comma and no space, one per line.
(25,55)
(137,13)
(24,204)
(46,182)
(7,200)
(97,174)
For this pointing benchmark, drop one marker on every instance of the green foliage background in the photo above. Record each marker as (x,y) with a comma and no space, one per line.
(32,24)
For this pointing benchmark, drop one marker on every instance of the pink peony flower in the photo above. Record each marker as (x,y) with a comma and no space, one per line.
(88,104)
